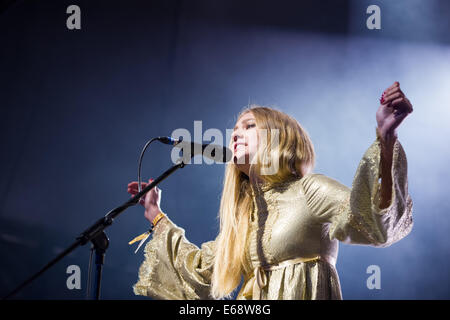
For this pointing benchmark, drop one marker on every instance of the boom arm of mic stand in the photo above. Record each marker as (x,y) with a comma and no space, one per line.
(98,227)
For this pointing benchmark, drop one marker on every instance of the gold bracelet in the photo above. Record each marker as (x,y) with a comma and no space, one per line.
(158,217)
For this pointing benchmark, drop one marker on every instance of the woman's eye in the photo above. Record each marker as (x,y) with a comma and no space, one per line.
(251,125)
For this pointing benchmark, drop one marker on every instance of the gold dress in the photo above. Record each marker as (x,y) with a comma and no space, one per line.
(293,236)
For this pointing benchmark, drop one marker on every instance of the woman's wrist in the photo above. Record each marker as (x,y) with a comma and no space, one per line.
(157,218)
(386,137)
(387,141)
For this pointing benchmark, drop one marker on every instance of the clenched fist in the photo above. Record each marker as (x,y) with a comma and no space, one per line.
(394,108)
(152,199)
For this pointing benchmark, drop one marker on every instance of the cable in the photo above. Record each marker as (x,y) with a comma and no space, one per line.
(140,162)
(165,140)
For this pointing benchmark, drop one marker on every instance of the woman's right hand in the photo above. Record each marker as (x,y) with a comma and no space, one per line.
(152,199)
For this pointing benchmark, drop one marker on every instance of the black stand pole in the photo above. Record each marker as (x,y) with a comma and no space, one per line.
(99,244)
(95,231)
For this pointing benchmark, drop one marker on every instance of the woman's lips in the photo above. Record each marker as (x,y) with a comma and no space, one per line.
(238,144)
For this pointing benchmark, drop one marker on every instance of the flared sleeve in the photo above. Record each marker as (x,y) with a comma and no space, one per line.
(353,215)
(174,268)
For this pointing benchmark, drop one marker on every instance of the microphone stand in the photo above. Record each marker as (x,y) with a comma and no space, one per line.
(96,235)
(99,245)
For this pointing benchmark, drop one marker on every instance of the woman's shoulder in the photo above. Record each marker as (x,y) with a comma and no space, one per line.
(318,182)
(311,183)
(312,178)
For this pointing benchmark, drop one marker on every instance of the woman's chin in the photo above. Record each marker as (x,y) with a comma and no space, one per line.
(240,159)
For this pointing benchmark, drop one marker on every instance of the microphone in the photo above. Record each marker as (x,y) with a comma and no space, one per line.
(209,150)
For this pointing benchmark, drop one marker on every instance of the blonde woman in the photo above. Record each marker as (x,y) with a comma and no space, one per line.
(281,231)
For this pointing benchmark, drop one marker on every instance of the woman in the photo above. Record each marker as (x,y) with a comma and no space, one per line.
(281,231)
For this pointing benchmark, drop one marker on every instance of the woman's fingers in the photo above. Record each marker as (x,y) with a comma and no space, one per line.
(396,97)
(135,190)
(393,88)
(402,104)
(132,190)
(399,106)
(394,91)
(396,84)
(151,198)
(133,187)
(135,184)
(392,96)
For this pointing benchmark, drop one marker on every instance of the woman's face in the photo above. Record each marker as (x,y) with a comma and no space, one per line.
(244,141)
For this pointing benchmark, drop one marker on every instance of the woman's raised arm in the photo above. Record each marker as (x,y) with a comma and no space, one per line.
(355,215)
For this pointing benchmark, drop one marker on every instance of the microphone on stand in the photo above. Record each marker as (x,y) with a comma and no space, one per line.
(209,150)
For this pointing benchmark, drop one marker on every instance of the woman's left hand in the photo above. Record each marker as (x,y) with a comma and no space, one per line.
(394,107)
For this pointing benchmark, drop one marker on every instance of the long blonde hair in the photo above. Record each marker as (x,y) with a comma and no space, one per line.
(296,157)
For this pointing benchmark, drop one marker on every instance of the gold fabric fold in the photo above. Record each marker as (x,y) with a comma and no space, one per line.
(259,280)
(174,268)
